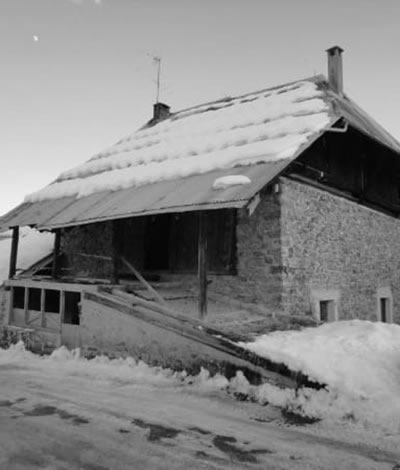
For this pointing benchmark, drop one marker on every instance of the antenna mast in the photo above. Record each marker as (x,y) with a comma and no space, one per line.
(157,60)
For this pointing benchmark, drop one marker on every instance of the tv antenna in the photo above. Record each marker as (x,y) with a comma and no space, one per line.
(157,60)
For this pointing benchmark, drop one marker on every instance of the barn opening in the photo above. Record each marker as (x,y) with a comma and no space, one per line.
(169,242)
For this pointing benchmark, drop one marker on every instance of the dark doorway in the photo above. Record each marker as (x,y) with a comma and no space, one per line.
(157,242)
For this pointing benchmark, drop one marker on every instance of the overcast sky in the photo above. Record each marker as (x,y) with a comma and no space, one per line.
(77,75)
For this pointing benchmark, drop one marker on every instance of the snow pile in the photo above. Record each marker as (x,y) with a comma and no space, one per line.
(262,127)
(101,368)
(358,360)
(32,246)
(231,180)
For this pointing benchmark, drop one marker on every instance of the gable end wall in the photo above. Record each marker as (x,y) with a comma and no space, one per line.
(333,244)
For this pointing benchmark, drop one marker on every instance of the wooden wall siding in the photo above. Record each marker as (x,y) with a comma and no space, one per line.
(168,242)
(356,165)
(133,242)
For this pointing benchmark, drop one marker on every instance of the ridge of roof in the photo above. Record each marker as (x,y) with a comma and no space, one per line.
(315,78)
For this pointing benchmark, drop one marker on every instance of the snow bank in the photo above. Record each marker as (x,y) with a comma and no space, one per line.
(262,127)
(33,246)
(231,180)
(358,360)
(119,371)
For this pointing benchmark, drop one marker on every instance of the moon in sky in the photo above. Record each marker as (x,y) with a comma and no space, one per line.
(35,38)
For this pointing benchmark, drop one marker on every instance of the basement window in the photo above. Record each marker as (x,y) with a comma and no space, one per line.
(19,297)
(72,307)
(326,310)
(52,301)
(34,299)
(385,305)
(324,304)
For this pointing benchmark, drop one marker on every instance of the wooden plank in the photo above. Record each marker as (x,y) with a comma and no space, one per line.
(273,372)
(14,253)
(202,264)
(157,296)
(48,284)
(87,255)
(11,307)
(153,307)
(56,254)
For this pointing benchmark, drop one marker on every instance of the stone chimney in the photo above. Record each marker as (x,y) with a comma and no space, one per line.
(161,111)
(335,69)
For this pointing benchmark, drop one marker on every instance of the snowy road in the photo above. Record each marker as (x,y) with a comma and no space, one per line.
(67,415)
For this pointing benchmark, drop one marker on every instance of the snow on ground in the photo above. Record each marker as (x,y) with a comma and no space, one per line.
(358,360)
(65,412)
(32,247)
(266,126)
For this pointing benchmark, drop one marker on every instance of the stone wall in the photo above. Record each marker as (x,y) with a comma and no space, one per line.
(258,279)
(93,239)
(4,302)
(332,244)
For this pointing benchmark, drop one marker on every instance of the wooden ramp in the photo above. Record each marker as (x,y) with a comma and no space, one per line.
(151,331)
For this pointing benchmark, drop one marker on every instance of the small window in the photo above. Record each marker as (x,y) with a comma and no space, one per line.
(325,304)
(52,301)
(34,299)
(72,307)
(324,307)
(18,297)
(385,305)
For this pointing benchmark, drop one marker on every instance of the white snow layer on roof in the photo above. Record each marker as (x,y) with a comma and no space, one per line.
(358,360)
(230,180)
(32,247)
(261,127)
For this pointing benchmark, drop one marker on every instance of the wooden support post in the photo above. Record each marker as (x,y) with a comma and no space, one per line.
(202,264)
(26,305)
(42,308)
(115,252)
(62,309)
(14,252)
(56,254)
(11,307)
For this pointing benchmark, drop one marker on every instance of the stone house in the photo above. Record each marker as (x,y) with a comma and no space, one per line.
(284,201)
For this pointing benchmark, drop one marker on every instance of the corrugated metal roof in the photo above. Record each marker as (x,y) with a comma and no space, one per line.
(188,194)
(359,119)
(192,192)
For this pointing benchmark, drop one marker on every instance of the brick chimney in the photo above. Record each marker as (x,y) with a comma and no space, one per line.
(335,69)
(160,111)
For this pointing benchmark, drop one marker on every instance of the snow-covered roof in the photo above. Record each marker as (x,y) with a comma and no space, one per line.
(172,165)
(262,127)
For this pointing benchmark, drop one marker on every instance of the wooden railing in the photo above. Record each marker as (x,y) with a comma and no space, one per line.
(44,304)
